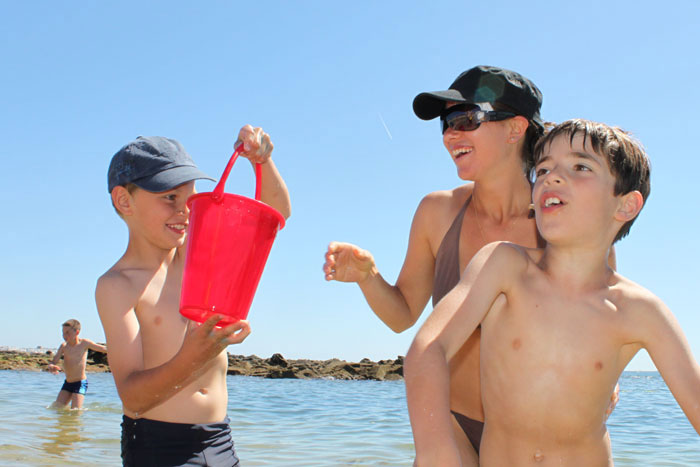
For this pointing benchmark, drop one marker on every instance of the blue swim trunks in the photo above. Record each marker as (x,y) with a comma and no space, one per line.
(154,443)
(76,387)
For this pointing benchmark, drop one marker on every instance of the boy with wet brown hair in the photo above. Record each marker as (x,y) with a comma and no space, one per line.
(170,372)
(74,351)
(558,325)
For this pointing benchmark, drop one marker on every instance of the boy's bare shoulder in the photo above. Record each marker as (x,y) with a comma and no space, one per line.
(636,300)
(633,292)
(122,283)
(514,252)
(116,279)
(506,257)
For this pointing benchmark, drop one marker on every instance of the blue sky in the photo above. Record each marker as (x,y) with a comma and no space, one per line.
(323,78)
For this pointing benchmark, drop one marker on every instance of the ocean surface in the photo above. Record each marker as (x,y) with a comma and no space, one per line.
(305,423)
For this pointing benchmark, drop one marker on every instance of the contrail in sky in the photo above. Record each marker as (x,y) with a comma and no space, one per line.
(385,127)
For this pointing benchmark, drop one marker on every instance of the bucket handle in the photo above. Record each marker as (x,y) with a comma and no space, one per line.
(218,193)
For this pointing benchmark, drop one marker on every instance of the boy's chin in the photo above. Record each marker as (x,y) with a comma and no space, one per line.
(557,237)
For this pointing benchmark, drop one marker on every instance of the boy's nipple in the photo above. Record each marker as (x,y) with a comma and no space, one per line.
(538,456)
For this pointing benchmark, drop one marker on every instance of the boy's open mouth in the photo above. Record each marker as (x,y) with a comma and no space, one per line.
(178,227)
(550,200)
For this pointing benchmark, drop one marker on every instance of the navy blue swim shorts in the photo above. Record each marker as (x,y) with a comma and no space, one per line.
(154,443)
(76,387)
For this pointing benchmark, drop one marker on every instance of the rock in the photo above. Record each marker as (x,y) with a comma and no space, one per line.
(99,358)
(278,360)
(274,367)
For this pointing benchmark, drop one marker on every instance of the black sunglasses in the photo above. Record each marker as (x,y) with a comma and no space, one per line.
(468,117)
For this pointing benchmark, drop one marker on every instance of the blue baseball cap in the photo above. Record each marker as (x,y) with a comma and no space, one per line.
(153,163)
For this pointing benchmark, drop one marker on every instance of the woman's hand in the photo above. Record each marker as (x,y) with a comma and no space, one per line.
(348,263)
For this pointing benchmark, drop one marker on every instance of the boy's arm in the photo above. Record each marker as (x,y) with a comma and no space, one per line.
(95,346)
(257,147)
(671,353)
(53,364)
(141,389)
(441,336)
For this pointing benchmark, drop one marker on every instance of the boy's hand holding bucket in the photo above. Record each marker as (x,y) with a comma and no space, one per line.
(205,341)
(257,146)
(228,242)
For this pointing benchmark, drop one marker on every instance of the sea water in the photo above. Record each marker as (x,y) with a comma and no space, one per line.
(305,423)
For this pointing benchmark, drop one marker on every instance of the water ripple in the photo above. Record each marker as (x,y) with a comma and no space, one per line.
(306,423)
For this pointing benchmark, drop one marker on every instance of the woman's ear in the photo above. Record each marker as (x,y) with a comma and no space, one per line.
(629,206)
(122,200)
(517,128)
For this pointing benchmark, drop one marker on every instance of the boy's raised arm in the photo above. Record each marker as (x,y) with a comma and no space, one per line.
(671,353)
(258,149)
(142,389)
(95,346)
(444,332)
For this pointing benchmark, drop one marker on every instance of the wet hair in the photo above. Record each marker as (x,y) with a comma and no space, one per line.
(130,187)
(627,160)
(532,135)
(72,323)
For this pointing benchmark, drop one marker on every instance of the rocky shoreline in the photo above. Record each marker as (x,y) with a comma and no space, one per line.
(274,367)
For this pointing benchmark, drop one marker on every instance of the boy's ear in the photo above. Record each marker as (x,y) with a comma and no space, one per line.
(517,126)
(121,198)
(629,207)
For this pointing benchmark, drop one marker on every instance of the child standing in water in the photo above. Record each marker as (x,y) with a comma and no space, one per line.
(558,325)
(74,352)
(170,373)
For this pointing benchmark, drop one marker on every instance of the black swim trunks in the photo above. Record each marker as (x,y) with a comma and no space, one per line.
(76,387)
(154,443)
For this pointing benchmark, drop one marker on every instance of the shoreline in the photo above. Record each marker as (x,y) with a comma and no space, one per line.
(274,367)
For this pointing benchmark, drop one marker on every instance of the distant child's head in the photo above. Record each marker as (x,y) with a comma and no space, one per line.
(70,328)
(625,157)
(151,163)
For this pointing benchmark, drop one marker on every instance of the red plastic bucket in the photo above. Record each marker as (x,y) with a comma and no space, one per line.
(228,241)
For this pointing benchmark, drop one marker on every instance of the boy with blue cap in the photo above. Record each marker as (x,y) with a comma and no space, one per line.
(170,373)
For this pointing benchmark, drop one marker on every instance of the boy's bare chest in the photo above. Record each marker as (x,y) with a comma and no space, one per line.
(551,358)
(577,333)
(73,354)
(158,312)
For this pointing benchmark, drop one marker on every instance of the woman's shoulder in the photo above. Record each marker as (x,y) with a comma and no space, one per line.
(437,210)
(448,199)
